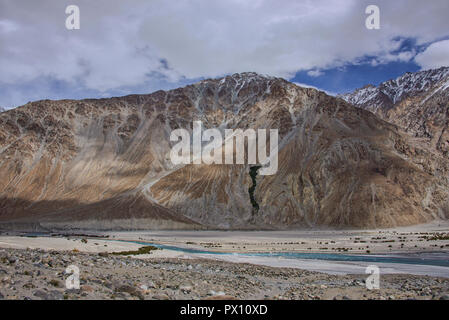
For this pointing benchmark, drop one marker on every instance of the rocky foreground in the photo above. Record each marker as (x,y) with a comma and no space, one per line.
(38,274)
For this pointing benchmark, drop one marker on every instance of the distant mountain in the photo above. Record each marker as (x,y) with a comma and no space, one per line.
(2,109)
(104,164)
(417,102)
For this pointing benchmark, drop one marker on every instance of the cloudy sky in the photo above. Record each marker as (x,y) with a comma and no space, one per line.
(139,46)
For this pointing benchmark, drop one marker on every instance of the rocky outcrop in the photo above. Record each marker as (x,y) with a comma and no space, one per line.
(87,163)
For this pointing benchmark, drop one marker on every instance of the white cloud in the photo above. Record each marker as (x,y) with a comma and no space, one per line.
(123,44)
(315,73)
(435,56)
(7,26)
(403,56)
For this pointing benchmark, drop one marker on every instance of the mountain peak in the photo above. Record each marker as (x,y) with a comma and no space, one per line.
(394,91)
(240,78)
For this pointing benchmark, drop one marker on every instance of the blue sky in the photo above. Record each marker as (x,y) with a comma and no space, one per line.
(140,46)
(348,78)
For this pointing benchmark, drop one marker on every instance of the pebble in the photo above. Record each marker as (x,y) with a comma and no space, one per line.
(185,288)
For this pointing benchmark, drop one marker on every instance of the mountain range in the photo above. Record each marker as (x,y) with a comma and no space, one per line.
(377,157)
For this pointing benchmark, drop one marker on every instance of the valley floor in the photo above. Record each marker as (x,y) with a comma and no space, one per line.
(235,264)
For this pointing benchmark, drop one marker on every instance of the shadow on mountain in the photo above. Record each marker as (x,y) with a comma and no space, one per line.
(17,212)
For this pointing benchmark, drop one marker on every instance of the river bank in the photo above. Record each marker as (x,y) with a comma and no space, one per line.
(419,250)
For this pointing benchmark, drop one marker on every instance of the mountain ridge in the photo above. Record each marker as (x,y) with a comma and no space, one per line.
(103,163)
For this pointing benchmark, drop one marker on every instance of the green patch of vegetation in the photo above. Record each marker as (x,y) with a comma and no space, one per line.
(253,174)
(210,245)
(438,236)
(141,250)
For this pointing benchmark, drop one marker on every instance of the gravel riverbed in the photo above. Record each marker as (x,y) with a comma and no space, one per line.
(40,274)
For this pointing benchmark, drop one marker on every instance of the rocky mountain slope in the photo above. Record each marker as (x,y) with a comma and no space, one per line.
(416,102)
(105,163)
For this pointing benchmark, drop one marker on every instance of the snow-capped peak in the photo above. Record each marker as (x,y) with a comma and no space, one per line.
(394,91)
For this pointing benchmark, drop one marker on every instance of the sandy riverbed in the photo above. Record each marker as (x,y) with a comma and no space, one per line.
(416,240)
(398,240)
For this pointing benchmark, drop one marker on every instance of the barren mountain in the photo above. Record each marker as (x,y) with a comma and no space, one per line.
(416,102)
(105,163)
